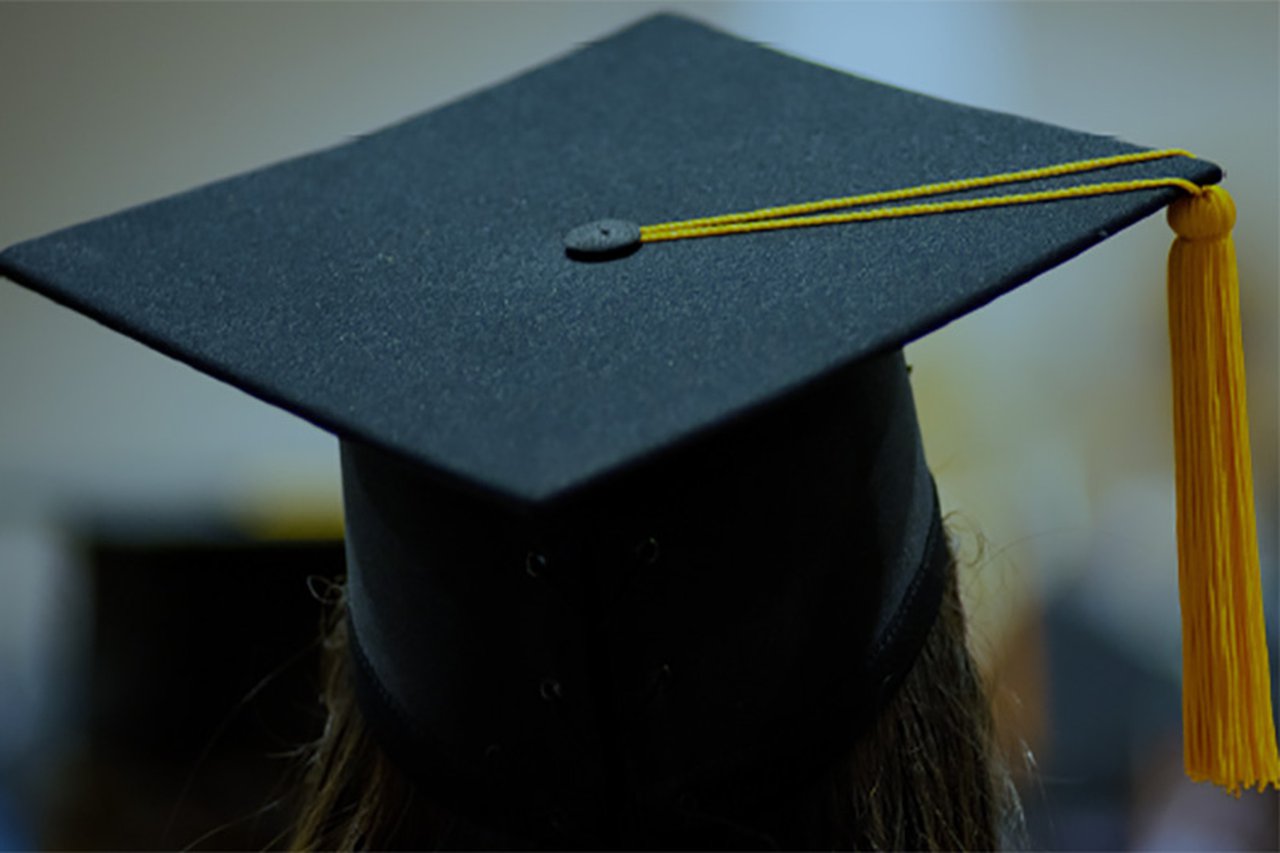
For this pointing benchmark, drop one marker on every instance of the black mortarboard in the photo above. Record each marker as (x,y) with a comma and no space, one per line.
(633,536)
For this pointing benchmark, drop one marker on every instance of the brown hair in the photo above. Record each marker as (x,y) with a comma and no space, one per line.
(924,776)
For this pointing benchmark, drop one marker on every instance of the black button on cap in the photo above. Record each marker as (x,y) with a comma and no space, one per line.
(602,240)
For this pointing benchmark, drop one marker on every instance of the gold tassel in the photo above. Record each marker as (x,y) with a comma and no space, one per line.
(1228,733)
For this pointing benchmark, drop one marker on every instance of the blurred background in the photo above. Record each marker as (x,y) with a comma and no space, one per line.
(157,528)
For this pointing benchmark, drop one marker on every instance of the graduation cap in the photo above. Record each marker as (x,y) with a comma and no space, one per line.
(638,519)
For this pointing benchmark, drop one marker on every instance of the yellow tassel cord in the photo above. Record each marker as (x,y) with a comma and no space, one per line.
(1228,733)
(1228,730)
(802,215)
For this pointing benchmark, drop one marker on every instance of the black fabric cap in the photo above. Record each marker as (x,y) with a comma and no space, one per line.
(524,431)
(710,629)
(410,288)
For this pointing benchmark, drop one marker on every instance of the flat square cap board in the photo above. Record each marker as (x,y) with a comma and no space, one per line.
(410,289)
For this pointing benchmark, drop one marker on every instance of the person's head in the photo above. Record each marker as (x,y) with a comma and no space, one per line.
(924,775)
(754,641)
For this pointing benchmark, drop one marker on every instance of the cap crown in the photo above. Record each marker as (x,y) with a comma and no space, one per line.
(410,288)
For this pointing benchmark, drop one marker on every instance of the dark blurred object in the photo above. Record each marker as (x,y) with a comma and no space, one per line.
(1109,776)
(203,681)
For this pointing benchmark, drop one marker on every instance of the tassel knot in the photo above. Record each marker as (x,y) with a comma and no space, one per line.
(1209,215)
